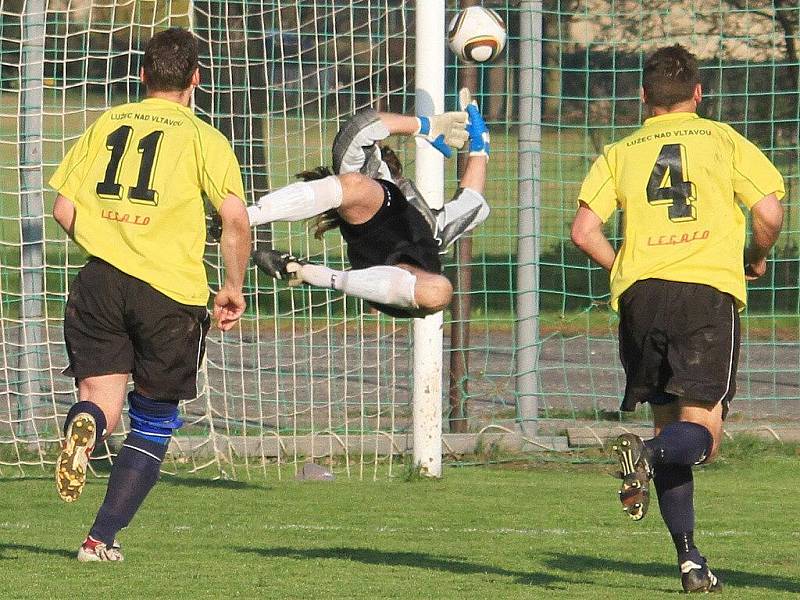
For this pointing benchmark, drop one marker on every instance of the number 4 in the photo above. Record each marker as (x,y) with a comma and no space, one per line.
(668,186)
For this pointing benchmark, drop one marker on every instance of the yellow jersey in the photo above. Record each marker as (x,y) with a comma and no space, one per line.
(136,178)
(679,180)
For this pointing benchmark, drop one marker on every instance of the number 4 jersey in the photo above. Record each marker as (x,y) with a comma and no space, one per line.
(679,180)
(136,178)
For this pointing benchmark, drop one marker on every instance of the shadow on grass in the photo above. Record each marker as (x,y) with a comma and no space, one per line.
(584,564)
(33,550)
(419,560)
(220,484)
(188,482)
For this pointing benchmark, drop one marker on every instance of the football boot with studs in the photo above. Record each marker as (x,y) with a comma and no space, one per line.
(635,471)
(73,461)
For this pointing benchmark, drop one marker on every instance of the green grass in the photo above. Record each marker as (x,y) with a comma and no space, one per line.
(547,528)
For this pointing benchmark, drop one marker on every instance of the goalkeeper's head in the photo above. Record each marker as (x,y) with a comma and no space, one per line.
(671,77)
(170,61)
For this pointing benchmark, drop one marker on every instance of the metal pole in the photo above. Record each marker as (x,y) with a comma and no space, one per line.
(428,339)
(461,306)
(530,143)
(31,210)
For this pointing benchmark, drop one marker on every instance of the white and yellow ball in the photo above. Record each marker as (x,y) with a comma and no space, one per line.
(476,34)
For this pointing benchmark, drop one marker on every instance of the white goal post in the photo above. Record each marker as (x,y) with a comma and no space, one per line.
(428,336)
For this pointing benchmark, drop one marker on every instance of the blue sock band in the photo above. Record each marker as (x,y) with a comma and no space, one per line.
(84,406)
(153,420)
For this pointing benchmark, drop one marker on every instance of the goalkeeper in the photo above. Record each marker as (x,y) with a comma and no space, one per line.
(393,238)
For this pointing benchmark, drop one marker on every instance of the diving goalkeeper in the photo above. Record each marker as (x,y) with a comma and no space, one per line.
(393,237)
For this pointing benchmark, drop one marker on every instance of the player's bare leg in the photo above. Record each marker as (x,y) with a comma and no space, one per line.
(297,201)
(362,198)
(402,286)
(96,413)
(687,434)
(432,291)
(133,475)
(356,197)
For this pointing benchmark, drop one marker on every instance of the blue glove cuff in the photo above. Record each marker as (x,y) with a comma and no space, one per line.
(424,125)
(439,144)
(478,132)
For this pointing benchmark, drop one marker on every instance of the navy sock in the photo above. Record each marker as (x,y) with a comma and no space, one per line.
(85,406)
(675,488)
(133,475)
(681,443)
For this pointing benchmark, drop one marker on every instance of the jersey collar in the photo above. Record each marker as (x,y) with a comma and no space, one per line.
(168,103)
(674,116)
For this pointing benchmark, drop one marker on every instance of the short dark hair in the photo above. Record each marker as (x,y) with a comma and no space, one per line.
(669,76)
(170,59)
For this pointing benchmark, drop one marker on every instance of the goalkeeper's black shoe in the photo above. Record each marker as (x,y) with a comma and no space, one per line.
(699,578)
(635,471)
(280,265)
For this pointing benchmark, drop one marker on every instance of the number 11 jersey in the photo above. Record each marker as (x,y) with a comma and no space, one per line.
(136,178)
(679,180)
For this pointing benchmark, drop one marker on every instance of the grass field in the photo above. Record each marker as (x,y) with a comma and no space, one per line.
(549,528)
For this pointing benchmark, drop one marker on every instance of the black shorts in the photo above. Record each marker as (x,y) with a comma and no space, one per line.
(115,323)
(396,234)
(678,340)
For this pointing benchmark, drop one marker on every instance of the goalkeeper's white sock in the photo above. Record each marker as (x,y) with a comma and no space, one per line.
(297,201)
(382,284)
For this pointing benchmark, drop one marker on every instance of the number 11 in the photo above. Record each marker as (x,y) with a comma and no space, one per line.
(148,147)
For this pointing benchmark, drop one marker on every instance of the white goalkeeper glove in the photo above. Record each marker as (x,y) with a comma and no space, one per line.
(444,130)
(476,127)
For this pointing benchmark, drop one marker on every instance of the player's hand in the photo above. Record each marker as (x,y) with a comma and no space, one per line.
(229,306)
(754,270)
(476,127)
(444,130)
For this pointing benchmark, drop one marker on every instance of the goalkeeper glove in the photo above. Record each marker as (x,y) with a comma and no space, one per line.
(444,130)
(476,126)
(214,226)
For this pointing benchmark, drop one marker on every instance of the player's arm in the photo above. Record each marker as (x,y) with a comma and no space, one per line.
(597,201)
(766,220)
(754,175)
(474,177)
(442,131)
(587,234)
(229,302)
(64,214)
(468,208)
(397,124)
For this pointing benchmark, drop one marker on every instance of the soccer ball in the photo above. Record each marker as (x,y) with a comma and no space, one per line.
(476,34)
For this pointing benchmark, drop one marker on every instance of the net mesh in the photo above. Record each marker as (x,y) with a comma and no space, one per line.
(312,373)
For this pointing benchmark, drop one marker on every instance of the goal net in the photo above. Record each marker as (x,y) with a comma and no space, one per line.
(309,374)
(313,375)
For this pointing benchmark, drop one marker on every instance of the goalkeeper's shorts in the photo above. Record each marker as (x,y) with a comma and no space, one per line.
(115,323)
(396,234)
